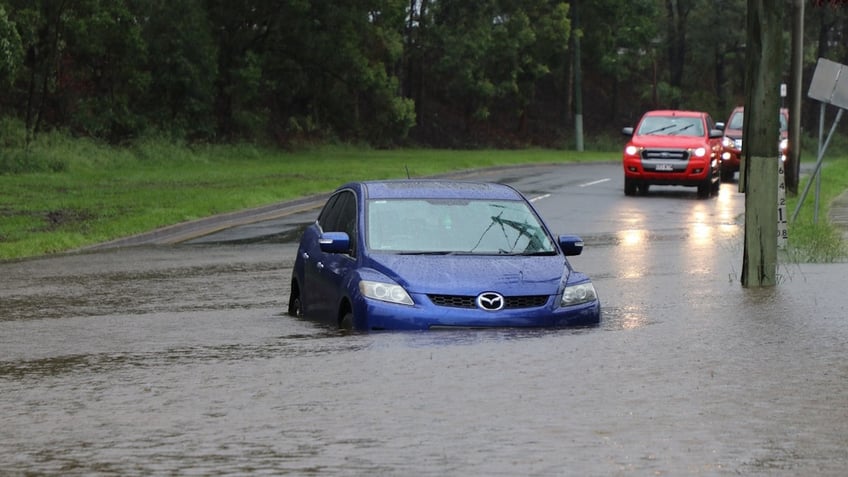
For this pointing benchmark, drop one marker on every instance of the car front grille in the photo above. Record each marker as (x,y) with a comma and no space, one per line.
(666,154)
(510,302)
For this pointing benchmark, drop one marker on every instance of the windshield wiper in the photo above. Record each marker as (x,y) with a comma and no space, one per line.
(668,126)
(538,253)
(682,129)
(429,252)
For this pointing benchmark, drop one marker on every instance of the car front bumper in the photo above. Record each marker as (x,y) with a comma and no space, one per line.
(691,173)
(730,159)
(424,315)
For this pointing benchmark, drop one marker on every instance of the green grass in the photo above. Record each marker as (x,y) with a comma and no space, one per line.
(812,240)
(102,193)
(69,193)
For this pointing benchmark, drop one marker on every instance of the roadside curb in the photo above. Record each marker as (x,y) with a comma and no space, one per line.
(185,231)
(838,214)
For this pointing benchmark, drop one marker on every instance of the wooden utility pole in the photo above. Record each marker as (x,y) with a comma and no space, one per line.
(758,173)
(793,162)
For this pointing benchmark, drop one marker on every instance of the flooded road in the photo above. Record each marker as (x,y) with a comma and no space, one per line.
(175,360)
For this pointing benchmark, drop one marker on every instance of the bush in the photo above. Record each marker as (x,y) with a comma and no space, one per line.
(18,158)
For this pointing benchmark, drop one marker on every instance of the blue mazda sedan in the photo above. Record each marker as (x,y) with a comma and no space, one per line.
(434,254)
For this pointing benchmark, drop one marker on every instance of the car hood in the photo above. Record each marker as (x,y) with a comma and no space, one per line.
(734,133)
(682,142)
(473,274)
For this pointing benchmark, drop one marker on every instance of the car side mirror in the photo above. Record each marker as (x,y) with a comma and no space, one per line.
(719,126)
(627,131)
(716,133)
(334,242)
(571,245)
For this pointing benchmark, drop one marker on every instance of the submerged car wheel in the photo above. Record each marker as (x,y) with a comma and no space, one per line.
(346,323)
(295,306)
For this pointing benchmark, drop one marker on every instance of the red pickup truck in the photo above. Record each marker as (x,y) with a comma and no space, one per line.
(673,147)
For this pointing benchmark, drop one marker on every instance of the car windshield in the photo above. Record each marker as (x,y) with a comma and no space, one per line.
(736,120)
(671,126)
(447,226)
(738,117)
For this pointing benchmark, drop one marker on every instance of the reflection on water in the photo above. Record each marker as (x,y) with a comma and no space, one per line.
(630,254)
(627,317)
(700,227)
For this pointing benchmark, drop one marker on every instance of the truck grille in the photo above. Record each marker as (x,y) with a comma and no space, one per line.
(665,154)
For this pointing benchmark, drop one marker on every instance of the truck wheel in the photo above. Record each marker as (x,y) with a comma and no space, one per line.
(629,187)
(704,189)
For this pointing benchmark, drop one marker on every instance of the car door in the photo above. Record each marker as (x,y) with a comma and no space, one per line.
(715,143)
(325,279)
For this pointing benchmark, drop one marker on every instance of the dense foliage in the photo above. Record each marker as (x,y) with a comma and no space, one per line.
(447,73)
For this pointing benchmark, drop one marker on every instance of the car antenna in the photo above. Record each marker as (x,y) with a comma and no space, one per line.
(406,166)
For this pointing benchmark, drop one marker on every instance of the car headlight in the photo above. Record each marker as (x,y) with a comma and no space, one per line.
(784,145)
(700,152)
(388,292)
(577,294)
(727,142)
(631,150)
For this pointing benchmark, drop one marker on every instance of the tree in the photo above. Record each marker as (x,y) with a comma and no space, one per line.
(621,45)
(103,69)
(11,51)
(717,53)
(676,42)
(478,65)
(179,98)
(82,68)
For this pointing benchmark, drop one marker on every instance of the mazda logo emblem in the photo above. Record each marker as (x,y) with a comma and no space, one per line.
(490,301)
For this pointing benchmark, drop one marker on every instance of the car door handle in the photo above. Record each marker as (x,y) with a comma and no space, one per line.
(320,265)
(305,256)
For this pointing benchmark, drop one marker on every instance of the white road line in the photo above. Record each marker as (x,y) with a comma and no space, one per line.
(594,182)
(545,196)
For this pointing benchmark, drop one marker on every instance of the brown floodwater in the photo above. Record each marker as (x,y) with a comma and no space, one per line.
(180,360)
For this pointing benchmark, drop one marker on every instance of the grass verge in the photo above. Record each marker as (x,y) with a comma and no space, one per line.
(812,236)
(102,193)
(92,193)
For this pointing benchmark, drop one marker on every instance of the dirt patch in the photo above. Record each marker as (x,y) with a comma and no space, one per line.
(64,217)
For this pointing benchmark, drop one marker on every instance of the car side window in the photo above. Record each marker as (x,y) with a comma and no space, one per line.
(328,214)
(339,215)
(347,218)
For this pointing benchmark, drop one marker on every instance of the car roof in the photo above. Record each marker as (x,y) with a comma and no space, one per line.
(437,189)
(741,109)
(675,112)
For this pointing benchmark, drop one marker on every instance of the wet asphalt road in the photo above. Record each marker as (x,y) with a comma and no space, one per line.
(177,359)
